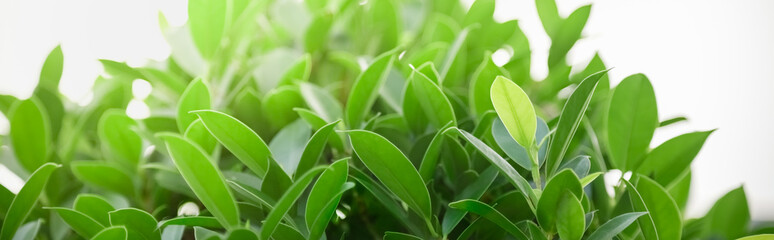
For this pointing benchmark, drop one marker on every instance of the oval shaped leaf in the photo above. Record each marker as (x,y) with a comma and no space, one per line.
(203,177)
(615,225)
(111,233)
(515,110)
(393,169)
(663,220)
(195,97)
(138,223)
(324,197)
(207,21)
(570,220)
(314,148)
(565,180)
(30,133)
(432,100)
(103,175)
(286,202)
(239,139)
(82,224)
(631,121)
(94,206)
(123,144)
(490,214)
(667,162)
(366,88)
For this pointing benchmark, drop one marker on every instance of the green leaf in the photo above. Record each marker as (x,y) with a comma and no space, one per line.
(552,195)
(139,224)
(512,149)
(191,221)
(580,165)
(505,168)
(489,213)
(299,71)
(480,84)
(287,232)
(515,110)
(51,72)
(122,143)
(549,15)
(325,196)
(570,220)
(314,148)
(572,114)
(590,178)
(393,169)
(203,177)
(321,102)
(615,226)
(111,233)
(473,191)
(288,145)
(567,34)
(632,119)
(758,237)
(433,102)
(239,139)
(103,175)
(729,217)
(672,121)
(199,134)
(24,201)
(399,236)
(30,133)
(195,97)
(241,234)
(432,152)
(278,105)
(286,202)
(81,223)
(663,220)
(94,206)
(381,195)
(667,162)
(366,88)
(207,21)
(317,34)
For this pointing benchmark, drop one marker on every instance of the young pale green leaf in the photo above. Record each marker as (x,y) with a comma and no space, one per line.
(432,100)
(480,84)
(570,220)
(81,223)
(490,214)
(94,206)
(286,202)
(393,169)
(199,134)
(203,177)
(22,204)
(51,72)
(565,180)
(103,175)
(667,162)
(239,139)
(515,110)
(473,191)
(729,217)
(505,168)
(632,119)
(316,35)
(30,133)
(321,102)
(123,144)
(195,97)
(192,221)
(325,196)
(288,145)
(663,220)
(615,226)
(366,88)
(314,148)
(112,233)
(399,236)
(207,20)
(299,71)
(572,114)
(590,178)
(138,223)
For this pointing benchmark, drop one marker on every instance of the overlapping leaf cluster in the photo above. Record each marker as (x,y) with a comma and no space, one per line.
(354,120)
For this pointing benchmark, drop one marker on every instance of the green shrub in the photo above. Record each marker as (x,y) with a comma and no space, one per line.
(354,120)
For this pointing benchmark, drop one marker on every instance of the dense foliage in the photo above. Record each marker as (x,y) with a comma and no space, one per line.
(354,120)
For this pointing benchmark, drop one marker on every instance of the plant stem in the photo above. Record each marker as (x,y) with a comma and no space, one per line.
(533,156)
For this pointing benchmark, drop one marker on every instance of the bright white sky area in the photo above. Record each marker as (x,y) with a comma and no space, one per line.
(709,60)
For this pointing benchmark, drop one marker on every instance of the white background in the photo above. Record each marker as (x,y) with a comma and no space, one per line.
(709,60)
